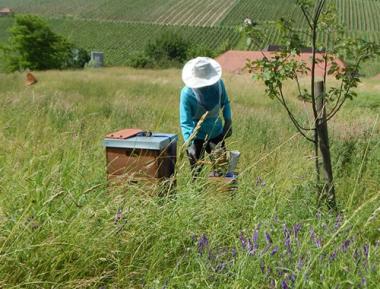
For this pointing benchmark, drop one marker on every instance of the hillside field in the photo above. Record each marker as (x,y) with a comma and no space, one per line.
(122,27)
(57,213)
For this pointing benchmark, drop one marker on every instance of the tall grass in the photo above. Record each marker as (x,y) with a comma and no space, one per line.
(57,213)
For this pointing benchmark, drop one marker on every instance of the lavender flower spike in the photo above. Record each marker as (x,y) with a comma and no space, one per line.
(287,239)
(274,251)
(345,245)
(333,256)
(250,248)
(366,251)
(243,240)
(268,238)
(296,230)
(338,221)
(202,244)
(255,239)
(284,285)
(312,234)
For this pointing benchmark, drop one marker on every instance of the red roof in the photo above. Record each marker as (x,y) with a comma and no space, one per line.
(234,61)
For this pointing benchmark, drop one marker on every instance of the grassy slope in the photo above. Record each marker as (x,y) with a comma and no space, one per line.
(56,214)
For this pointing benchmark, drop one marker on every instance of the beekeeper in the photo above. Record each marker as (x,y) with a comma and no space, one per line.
(205,112)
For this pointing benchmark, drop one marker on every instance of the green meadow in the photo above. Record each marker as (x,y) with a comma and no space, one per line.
(57,212)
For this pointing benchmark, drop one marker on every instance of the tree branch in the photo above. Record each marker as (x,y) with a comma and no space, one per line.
(321,5)
(283,101)
(307,17)
(333,113)
(337,101)
(292,118)
(338,105)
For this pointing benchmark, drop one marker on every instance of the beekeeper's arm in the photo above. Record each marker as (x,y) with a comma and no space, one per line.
(227,114)
(186,119)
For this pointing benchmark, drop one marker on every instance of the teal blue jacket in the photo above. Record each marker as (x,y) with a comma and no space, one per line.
(193,106)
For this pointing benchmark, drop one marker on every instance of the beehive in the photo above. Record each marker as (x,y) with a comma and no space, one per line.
(141,157)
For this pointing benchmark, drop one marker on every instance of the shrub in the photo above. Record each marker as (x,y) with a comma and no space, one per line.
(139,60)
(33,45)
(199,50)
(78,58)
(169,47)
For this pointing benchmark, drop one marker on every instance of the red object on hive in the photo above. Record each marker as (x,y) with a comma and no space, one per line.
(124,133)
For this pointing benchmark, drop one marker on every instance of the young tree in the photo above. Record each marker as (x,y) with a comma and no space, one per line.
(33,45)
(325,103)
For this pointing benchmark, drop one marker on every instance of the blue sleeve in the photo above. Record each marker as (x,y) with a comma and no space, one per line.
(227,114)
(186,120)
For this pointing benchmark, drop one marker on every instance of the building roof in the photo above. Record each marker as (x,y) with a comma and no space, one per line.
(6,10)
(234,61)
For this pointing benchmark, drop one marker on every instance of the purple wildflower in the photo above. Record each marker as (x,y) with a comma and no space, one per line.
(274,251)
(284,285)
(338,221)
(292,278)
(288,246)
(345,245)
(364,281)
(250,247)
(318,243)
(312,234)
(202,244)
(313,237)
(296,230)
(366,251)
(333,256)
(268,238)
(256,238)
(272,283)
(287,239)
(243,240)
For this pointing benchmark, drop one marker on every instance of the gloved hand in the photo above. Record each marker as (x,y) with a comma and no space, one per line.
(227,129)
(191,152)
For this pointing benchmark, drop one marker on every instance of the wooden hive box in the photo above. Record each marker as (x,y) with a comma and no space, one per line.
(140,157)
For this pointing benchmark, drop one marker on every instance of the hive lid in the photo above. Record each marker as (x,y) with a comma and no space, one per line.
(157,141)
(124,133)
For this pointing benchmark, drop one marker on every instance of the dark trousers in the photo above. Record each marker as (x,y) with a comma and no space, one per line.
(202,146)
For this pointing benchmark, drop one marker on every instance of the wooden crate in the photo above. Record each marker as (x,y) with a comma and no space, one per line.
(148,158)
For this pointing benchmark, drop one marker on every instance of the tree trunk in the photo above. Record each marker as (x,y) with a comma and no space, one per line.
(327,190)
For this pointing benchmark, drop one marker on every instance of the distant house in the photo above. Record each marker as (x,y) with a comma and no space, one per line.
(234,61)
(6,12)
